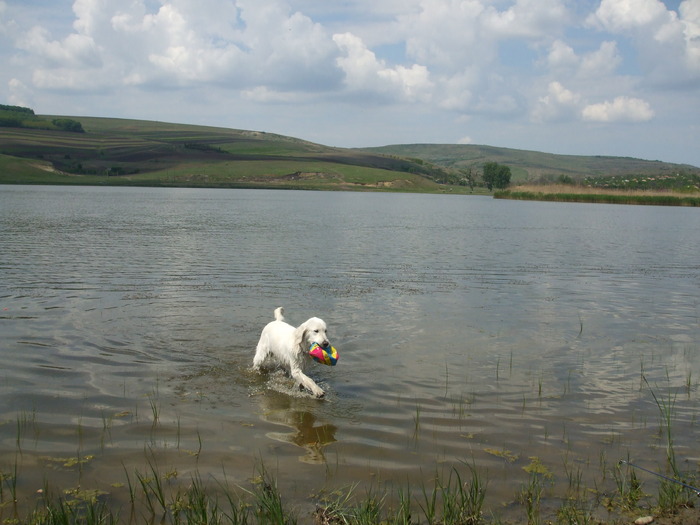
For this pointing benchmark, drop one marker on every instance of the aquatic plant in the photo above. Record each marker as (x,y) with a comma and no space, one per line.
(602,197)
(268,500)
(456,495)
(530,496)
(673,491)
(629,488)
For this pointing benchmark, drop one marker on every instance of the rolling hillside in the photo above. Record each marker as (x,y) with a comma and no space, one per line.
(135,152)
(532,165)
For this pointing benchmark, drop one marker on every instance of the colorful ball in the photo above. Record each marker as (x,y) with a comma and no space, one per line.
(325,356)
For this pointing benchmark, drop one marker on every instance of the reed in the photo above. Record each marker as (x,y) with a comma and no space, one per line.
(629,488)
(155,409)
(456,495)
(451,499)
(530,497)
(9,480)
(333,508)
(575,479)
(673,491)
(152,489)
(565,193)
(416,421)
(402,514)
(132,491)
(576,512)
(666,411)
(369,510)
(268,500)
(25,420)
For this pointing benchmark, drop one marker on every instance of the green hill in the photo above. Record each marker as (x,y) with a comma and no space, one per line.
(533,166)
(134,152)
(89,150)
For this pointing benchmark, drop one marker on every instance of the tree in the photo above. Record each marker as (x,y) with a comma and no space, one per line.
(496,175)
(17,109)
(67,124)
(469,177)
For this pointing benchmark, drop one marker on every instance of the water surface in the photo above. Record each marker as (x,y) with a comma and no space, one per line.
(469,330)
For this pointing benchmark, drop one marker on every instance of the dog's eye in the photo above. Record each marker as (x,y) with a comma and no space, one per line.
(315,331)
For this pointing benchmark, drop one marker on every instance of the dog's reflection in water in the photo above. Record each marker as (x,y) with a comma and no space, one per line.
(308,433)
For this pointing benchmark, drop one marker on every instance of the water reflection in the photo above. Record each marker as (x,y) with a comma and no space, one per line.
(308,432)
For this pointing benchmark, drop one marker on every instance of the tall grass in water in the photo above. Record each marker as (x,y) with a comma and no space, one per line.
(452,499)
(530,496)
(455,501)
(456,495)
(629,489)
(672,494)
(558,193)
(268,499)
(666,411)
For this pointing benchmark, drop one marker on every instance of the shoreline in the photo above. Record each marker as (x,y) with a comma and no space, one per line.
(563,193)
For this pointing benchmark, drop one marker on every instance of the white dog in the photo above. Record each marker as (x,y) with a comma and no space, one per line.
(289,346)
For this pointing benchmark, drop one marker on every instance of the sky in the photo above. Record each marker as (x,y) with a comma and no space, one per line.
(579,77)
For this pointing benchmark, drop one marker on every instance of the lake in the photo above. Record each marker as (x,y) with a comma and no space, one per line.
(471,332)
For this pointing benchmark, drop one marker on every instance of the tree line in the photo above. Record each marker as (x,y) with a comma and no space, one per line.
(493,176)
(21,117)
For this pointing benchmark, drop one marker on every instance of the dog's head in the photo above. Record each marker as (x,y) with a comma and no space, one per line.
(312,331)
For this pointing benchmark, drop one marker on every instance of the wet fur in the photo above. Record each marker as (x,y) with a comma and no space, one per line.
(289,346)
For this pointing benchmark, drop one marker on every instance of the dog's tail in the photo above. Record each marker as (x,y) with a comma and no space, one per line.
(279,314)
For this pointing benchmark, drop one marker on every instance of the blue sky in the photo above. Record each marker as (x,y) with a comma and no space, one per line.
(589,77)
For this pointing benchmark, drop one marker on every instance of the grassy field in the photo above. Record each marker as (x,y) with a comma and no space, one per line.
(567,193)
(132,152)
(531,166)
(136,152)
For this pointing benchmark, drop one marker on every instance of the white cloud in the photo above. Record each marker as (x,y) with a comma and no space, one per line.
(364,72)
(266,95)
(557,105)
(604,61)
(427,66)
(530,19)
(20,95)
(456,91)
(285,47)
(595,64)
(182,43)
(667,42)
(90,15)
(690,17)
(561,55)
(562,96)
(453,34)
(4,25)
(622,15)
(465,140)
(76,50)
(460,42)
(621,109)
(446,34)
(172,46)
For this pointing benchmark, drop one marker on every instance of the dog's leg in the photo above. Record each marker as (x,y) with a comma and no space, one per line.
(307,382)
(260,354)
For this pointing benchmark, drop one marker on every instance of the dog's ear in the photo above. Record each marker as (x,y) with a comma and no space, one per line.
(300,337)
